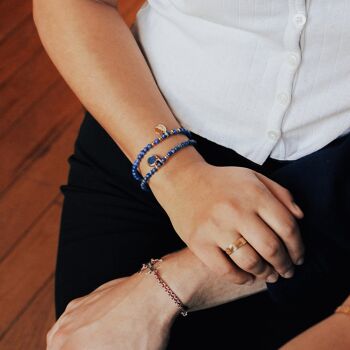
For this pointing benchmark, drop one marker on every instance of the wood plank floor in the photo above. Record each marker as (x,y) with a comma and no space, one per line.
(34,149)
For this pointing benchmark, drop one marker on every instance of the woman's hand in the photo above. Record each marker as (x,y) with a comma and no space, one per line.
(210,207)
(127,313)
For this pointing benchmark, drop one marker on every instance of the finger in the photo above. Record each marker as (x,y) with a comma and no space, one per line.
(245,256)
(282,194)
(249,260)
(221,264)
(268,245)
(284,225)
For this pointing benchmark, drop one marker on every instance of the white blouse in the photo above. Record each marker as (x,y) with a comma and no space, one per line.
(262,77)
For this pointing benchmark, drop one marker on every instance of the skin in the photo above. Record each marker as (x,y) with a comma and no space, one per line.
(332,333)
(135,313)
(103,319)
(97,55)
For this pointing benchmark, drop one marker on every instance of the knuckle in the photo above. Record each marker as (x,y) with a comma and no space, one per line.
(60,335)
(238,279)
(235,207)
(49,333)
(290,229)
(48,337)
(273,249)
(251,263)
(71,304)
(259,189)
(205,225)
(220,208)
(261,194)
(223,210)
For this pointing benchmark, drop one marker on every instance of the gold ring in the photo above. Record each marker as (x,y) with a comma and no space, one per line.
(240,242)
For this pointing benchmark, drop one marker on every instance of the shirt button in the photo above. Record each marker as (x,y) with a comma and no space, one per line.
(273,134)
(299,20)
(293,59)
(283,98)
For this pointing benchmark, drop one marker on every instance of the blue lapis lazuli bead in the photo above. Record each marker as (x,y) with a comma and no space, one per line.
(151,160)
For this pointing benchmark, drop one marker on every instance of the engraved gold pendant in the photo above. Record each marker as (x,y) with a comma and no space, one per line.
(154,160)
(160,129)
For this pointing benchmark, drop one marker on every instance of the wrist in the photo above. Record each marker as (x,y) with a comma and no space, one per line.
(160,307)
(181,168)
(185,274)
(180,273)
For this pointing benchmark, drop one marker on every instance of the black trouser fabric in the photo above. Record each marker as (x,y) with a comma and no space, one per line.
(109,227)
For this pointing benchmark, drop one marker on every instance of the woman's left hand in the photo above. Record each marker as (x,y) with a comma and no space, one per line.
(120,314)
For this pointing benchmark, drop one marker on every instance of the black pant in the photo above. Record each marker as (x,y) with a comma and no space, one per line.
(109,227)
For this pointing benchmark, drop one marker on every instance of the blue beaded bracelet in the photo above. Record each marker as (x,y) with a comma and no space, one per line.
(165,134)
(160,161)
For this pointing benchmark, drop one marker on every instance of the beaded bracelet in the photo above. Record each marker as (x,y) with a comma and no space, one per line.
(158,162)
(161,130)
(150,266)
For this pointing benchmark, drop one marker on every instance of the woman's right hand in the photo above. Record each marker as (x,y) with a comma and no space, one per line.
(210,207)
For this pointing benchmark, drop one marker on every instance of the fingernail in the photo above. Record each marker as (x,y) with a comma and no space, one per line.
(296,206)
(250,282)
(272,278)
(288,274)
(300,261)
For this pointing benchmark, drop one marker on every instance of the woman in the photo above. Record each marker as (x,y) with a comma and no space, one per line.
(265,102)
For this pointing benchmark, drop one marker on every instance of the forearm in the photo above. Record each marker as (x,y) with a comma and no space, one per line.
(97,55)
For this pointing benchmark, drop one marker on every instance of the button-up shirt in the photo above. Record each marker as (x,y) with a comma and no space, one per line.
(262,77)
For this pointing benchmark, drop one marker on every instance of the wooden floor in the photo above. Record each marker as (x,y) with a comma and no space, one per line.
(39,119)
